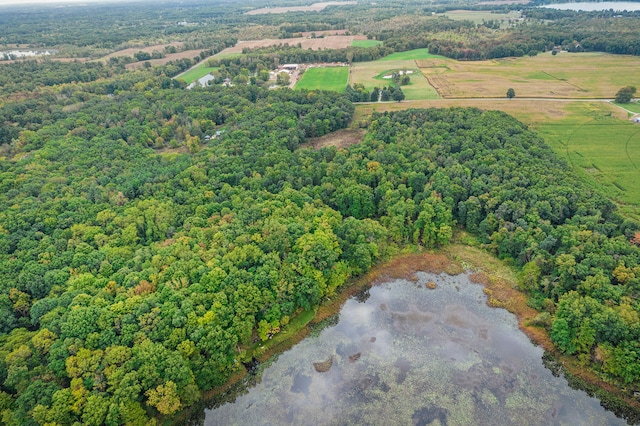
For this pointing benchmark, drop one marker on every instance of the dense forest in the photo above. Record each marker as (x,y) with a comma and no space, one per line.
(152,236)
(195,249)
(117,249)
(405,26)
(541,30)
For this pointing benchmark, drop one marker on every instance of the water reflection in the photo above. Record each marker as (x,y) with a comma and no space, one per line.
(618,6)
(409,355)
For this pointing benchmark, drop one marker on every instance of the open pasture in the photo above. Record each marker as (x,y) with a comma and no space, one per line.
(200,69)
(409,55)
(566,75)
(327,78)
(225,54)
(133,50)
(185,54)
(604,149)
(371,74)
(327,42)
(631,106)
(531,112)
(315,7)
(479,16)
(195,73)
(365,43)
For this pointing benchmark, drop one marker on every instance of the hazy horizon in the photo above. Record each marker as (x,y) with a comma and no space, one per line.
(59,2)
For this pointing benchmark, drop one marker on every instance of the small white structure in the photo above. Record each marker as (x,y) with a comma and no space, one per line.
(202,81)
(290,67)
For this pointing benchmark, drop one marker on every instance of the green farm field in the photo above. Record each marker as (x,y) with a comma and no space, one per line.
(195,73)
(566,75)
(409,55)
(224,55)
(631,106)
(478,16)
(603,148)
(201,69)
(329,78)
(366,43)
(371,74)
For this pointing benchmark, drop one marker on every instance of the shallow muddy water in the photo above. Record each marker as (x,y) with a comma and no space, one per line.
(410,355)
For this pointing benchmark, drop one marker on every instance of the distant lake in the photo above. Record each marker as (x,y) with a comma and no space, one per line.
(404,354)
(596,6)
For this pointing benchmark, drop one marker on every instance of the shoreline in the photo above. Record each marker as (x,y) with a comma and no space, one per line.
(498,281)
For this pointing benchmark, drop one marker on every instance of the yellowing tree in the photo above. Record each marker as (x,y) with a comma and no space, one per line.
(164,398)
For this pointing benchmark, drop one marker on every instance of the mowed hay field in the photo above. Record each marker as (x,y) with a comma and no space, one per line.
(186,54)
(479,16)
(315,7)
(327,78)
(200,70)
(195,73)
(631,106)
(327,42)
(365,43)
(565,75)
(371,74)
(603,148)
(595,138)
(133,50)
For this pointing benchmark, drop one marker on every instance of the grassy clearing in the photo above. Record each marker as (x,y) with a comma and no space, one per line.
(133,50)
(339,139)
(329,78)
(479,16)
(566,75)
(226,55)
(419,88)
(409,55)
(315,7)
(195,73)
(201,69)
(366,43)
(371,74)
(604,149)
(528,111)
(631,106)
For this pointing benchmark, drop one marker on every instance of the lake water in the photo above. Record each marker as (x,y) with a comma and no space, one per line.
(404,354)
(596,6)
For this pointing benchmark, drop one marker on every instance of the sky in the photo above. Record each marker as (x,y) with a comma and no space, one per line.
(25,2)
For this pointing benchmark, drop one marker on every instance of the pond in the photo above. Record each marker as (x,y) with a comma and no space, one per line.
(596,6)
(405,353)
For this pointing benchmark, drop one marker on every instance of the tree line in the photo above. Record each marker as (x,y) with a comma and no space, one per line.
(133,278)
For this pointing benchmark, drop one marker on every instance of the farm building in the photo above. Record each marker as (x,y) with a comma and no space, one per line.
(203,81)
(290,67)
